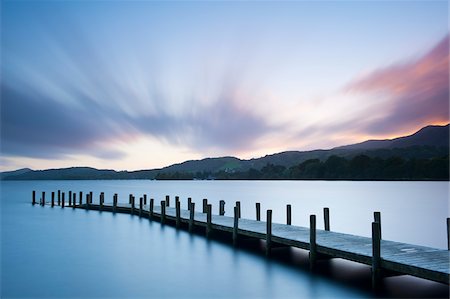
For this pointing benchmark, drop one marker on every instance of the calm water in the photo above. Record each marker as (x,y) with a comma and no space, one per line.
(58,252)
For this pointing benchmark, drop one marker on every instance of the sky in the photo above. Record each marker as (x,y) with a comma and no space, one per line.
(130,85)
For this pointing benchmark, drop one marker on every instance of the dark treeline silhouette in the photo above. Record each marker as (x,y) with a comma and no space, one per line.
(360,167)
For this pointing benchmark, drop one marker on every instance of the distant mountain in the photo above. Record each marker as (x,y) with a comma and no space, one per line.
(427,136)
(427,143)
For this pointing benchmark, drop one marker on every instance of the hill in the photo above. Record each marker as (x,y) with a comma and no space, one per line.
(431,142)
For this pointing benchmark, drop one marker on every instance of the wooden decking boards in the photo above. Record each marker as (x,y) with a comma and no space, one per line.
(395,257)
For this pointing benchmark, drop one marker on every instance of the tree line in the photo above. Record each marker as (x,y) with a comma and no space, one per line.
(360,167)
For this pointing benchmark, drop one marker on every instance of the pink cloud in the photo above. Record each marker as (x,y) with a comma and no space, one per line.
(418,91)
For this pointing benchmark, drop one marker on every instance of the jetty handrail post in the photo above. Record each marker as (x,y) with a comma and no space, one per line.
(222,207)
(62,200)
(326,218)
(53,199)
(235,226)
(178,212)
(163,212)
(269,233)
(205,203)
(145,199)
(258,211)
(43,198)
(150,210)
(312,242)
(70,198)
(191,216)
(74,195)
(81,198)
(59,197)
(141,203)
(208,220)
(448,233)
(377,218)
(33,198)
(376,255)
(238,205)
(167,203)
(114,202)
(288,214)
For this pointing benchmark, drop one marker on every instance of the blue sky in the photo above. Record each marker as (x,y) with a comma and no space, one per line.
(144,84)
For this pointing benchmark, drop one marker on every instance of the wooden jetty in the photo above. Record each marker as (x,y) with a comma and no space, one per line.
(386,258)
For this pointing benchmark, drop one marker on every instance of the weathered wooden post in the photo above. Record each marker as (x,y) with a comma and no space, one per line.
(141,205)
(81,198)
(100,202)
(376,255)
(288,214)
(238,205)
(269,233)
(448,233)
(74,195)
(189,203)
(377,218)
(53,199)
(235,226)
(114,202)
(70,198)
(208,220)
(145,199)
(91,197)
(258,211)
(132,205)
(163,212)
(312,242)
(150,210)
(205,203)
(129,198)
(88,201)
(33,198)
(222,207)
(167,201)
(178,212)
(43,198)
(62,199)
(326,218)
(191,216)
(59,197)
(177,198)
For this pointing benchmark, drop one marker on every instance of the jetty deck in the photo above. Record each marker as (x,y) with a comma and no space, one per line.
(385,257)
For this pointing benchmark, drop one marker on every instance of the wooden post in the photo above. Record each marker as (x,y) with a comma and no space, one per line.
(129,198)
(59,197)
(376,255)
(74,195)
(377,218)
(222,207)
(81,198)
(141,205)
(151,208)
(189,203)
(145,199)
(43,198)
(448,233)
(114,202)
(177,199)
(191,216)
(288,214)
(205,203)
(53,199)
(167,201)
(70,198)
(91,197)
(208,220)
(235,226)
(33,198)
(132,205)
(62,200)
(238,205)
(258,211)
(163,212)
(326,218)
(178,212)
(88,201)
(312,242)
(269,233)
(100,202)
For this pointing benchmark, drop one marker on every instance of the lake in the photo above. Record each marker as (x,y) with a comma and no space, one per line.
(66,253)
